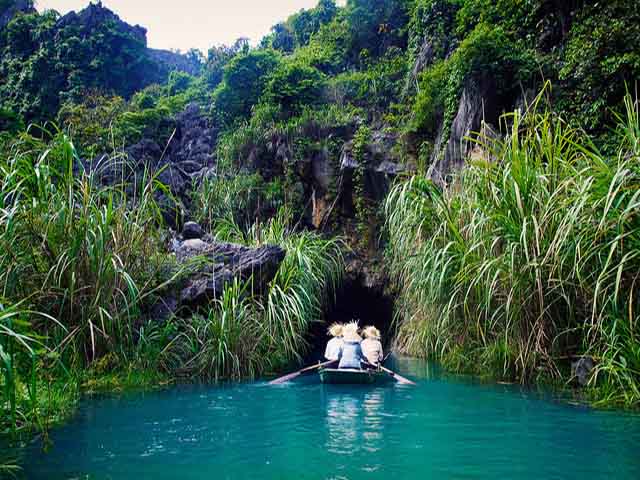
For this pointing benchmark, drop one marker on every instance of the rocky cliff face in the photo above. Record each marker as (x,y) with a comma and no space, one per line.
(85,22)
(180,164)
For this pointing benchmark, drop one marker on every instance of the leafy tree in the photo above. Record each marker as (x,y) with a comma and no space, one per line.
(281,38)
(294,85)
(244,80)
(45,62)
(218,57)
(600,60)
(376,25)
(179,82)
(10,122)
(300,27)
(92,122)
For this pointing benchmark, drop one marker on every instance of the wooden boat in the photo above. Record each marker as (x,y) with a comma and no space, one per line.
(353,376)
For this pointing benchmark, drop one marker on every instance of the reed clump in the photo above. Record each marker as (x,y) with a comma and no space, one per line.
(77,257)
(528,259)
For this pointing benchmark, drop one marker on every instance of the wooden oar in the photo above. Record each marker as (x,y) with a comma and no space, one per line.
(398,378)
(293,375)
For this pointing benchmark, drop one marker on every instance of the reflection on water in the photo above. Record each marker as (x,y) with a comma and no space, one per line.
(445,427)
(354,422)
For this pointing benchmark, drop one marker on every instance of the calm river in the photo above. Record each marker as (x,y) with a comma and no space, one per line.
(446,427)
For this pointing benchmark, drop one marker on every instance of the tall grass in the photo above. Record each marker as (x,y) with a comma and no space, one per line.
(529,258)
(246,333)
(82,252)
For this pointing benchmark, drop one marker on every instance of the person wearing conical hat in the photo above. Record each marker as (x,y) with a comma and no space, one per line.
(333,346)
(371,345)
(350,353)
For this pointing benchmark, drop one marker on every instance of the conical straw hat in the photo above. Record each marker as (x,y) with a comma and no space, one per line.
(371,332)
(350,332)
(335,330)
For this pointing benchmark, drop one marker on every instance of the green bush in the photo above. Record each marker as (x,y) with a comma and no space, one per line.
(487,52)
(244,81)
(294,86)
(600,60)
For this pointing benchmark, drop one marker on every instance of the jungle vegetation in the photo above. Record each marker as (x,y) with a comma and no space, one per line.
(528,258)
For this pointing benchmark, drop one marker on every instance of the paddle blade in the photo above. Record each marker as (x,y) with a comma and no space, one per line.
(293,375)
(403,380)
(398,378)
(284,379)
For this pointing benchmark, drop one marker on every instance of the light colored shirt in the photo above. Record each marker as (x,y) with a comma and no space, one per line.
(372,349)
(332,352)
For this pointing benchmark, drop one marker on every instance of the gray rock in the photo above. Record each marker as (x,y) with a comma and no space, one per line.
(192,230)
(224,263)
(477,105)
(179,165)
(582,369)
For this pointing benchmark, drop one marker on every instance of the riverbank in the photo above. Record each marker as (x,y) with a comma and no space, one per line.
(529,260)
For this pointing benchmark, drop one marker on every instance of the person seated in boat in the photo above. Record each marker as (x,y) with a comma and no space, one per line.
(371,345)
(332,351)
(350,355)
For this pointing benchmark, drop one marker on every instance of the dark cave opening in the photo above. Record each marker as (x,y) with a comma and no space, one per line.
(354,301)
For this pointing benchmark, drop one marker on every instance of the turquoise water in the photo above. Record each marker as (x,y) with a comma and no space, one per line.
(442,428)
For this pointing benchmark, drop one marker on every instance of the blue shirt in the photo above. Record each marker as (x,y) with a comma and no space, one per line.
(350,355)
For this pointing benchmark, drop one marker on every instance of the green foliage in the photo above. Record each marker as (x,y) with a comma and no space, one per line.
(487,53)
(244,81)
(327,50)
(85,254)
(92,122)
(299,28)
(10,122)
(79,246)
(307,22)
(236,197)
(293,86)
(520,16)
(532,256)
(375,25)
(44,62)
(179,82)
(217,59)
(375,87)
(246,333)
(433,20)
(599,61)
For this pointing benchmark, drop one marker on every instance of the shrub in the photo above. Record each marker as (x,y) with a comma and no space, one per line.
(244,81)
(294,86)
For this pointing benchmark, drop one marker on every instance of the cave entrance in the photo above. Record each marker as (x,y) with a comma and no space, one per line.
(355,301)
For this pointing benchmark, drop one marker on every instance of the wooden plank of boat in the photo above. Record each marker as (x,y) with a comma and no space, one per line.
(353,376)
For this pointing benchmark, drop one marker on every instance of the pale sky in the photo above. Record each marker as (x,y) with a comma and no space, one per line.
(185,24)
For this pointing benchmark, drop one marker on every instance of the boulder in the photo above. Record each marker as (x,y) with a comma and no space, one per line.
(192,230)
(582,369)
(225,262)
